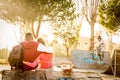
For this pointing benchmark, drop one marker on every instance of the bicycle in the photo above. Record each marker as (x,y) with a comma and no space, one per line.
(98,53)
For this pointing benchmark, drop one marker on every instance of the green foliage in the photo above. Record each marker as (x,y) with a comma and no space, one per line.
(26,12)
(109,14)
(34,10)
(64,27)
(68,32)
(23,10)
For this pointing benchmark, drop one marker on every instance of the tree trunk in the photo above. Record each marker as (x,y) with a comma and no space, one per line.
(33,31)
(110,47)
(92,36)
(67,50)
(37,29)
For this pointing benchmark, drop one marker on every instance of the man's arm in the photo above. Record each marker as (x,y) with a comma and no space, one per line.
(34,64)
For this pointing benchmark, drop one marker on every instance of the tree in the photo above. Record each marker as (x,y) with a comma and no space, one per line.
(21,12)
(80,15)
(91,12)
(65,29)
(109,17)
(68,33)
(109,14)
(27,12)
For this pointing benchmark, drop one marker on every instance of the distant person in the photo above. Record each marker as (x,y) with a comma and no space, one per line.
(99,44)
(44,59)
(99,48)
(31,50)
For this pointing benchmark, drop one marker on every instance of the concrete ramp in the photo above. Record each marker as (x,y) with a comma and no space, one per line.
(83,59)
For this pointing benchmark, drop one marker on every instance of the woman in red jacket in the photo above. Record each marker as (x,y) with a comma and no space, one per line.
(44,59)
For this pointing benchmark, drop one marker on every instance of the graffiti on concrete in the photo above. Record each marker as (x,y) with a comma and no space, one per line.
(94,57)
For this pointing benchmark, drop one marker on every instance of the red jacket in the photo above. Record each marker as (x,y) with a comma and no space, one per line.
(30,52)
(46,60)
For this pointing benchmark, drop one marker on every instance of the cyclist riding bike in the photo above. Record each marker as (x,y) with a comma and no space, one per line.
(99,48)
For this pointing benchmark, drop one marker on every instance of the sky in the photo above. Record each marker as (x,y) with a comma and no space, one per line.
(7,37)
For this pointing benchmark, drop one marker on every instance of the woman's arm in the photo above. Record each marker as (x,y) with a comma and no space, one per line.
(35,63)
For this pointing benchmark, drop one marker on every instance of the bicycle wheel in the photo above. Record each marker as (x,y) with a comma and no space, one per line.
(94,54)
(100,56)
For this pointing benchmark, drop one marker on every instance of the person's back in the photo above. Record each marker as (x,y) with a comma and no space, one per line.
(43,53)
(45,57)
(15,57)
(30,50)
(46,60)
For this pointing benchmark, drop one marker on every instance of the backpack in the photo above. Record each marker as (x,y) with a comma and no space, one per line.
(15,58)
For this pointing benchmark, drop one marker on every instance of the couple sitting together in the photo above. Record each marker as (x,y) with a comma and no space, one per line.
(36,53)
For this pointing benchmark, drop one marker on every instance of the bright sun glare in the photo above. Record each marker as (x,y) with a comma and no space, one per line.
(7,35)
